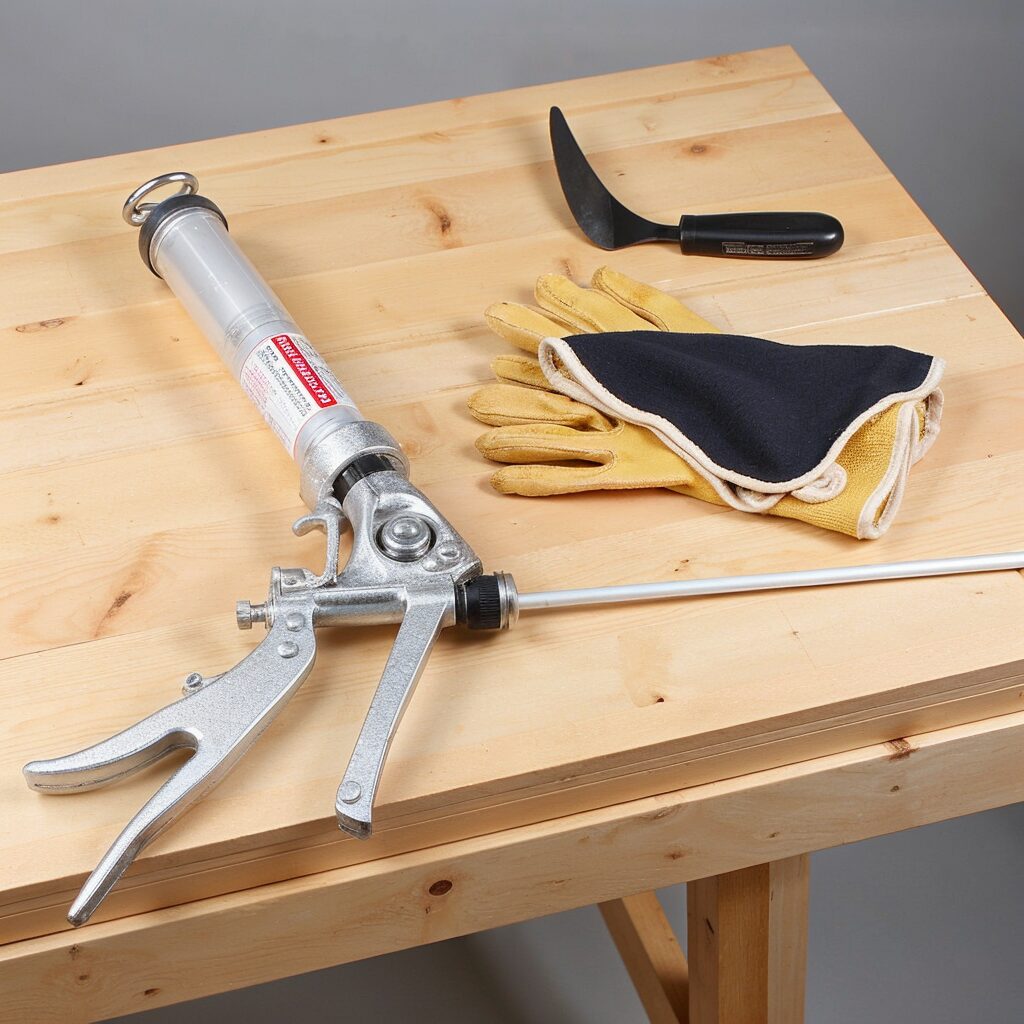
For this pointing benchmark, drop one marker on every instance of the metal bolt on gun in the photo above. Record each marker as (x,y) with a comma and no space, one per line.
(407,563)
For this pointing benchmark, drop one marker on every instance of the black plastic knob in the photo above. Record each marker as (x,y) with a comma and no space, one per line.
(480,606)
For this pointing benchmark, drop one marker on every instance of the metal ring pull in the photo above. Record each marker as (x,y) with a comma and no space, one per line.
(135,211)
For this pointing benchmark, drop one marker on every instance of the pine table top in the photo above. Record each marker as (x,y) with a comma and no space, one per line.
(142,495)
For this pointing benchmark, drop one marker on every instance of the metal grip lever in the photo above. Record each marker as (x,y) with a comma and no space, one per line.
(424,618)
(219,720)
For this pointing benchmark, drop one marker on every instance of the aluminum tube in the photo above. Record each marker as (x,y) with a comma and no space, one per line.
(770,581)
(287,380)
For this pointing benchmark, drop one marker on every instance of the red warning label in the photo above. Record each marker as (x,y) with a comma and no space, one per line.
(307,376)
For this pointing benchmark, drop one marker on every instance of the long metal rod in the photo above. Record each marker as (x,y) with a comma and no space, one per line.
(771,581)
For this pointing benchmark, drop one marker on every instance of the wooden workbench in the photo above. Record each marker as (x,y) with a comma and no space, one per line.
(585,756)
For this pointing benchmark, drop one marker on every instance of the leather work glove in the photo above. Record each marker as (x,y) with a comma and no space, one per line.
(871,411)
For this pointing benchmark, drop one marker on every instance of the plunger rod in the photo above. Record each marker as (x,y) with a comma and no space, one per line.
(770,581)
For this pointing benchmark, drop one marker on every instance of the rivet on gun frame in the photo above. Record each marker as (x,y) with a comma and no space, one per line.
(449,551)
(294,621)
(287,649)
(350,792)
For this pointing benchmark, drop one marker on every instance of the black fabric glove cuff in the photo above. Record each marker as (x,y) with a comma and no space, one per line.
(759,414)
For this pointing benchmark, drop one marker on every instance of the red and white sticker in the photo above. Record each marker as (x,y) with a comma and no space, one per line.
(290,384)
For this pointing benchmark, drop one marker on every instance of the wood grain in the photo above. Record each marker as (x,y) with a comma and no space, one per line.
(143,496)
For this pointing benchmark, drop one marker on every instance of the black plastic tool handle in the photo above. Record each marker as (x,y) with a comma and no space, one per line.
(793,236)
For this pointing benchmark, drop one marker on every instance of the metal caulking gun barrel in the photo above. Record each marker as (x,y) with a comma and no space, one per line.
(407,564)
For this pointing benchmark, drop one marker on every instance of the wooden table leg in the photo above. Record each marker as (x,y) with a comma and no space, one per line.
(652,955)
(747,944)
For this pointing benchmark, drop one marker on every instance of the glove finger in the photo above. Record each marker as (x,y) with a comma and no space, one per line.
(502,404)
(537,478)
(542,442)
(524,326)
(653,306)
(588,311)
(627,458)
(538,481)
(520,370)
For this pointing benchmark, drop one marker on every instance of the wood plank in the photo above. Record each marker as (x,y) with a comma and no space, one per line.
(651,954)
(748,944)
(247,937)
(145,495)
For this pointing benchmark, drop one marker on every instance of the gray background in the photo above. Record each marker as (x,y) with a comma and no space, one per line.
(922,926)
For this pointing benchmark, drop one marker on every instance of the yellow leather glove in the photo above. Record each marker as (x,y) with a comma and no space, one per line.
(539,430)
(556,445)
(538,426)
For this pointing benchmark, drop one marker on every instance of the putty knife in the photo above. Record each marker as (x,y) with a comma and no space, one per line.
(607,223)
